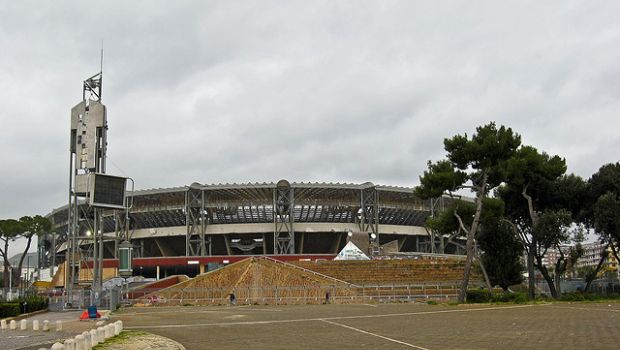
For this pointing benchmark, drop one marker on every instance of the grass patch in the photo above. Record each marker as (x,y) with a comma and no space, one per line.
(123,337)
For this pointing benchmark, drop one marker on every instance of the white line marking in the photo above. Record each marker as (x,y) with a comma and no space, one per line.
(327,318)
(185,311)
(585,308)
(370,305)
(375,335)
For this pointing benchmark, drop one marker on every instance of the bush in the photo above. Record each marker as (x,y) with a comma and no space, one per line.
(478,296)
(484,296)
(34,303)
(517,298)
(9,309)
(580,296)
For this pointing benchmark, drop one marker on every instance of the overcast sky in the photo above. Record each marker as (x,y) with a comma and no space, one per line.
(334,91)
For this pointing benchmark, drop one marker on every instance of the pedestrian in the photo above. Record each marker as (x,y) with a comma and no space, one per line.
(327,295)
(233,299)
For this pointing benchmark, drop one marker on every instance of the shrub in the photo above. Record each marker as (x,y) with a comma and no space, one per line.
(478,296)
(518,298)
(34,303)
(9,309)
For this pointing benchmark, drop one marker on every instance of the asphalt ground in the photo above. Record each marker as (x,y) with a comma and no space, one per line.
(29,339)
(384,326)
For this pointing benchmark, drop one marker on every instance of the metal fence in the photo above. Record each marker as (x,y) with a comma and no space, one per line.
(59,299)
(298,294)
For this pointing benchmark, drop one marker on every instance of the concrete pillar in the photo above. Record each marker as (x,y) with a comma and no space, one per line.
(13,325)
(35,325)
(4,325)
(58,326)
(100,334)
(93,337)
(57,346)
(46,325)
(69,344)
(117,328)
(23,325)
(157,269)
(79,342)
(120,324)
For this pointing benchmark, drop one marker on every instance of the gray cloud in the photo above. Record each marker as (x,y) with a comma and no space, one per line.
(323,91)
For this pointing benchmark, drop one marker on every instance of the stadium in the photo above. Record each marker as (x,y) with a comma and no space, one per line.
(192,229)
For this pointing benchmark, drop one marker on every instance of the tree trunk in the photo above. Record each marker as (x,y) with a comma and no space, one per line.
(543,270)
(485,274)
(531,272)
(21,260)
(531,289)
(470,239)
(592,276)
(5,273)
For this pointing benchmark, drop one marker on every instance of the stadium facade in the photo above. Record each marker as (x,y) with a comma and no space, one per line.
(237,220)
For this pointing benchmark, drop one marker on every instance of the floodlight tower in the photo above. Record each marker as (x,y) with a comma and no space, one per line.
(87,155)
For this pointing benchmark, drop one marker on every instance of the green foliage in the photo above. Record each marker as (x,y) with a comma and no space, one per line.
(488,148)
(439,178)
(552,228)
(9,310)
(35,302)
(506,297)
(34,225)
(607,215)
(475,296)
(487,152)
(541,177)
(10,228)
(502,253)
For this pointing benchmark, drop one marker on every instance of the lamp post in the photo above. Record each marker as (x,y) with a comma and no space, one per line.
(10,282)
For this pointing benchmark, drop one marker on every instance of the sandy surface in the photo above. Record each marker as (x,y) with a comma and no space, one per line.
(143,341)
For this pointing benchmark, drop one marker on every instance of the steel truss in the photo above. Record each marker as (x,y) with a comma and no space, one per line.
(368,215)
(196,223)
(283,218)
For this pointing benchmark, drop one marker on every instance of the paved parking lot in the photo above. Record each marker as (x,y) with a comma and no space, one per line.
(385,326)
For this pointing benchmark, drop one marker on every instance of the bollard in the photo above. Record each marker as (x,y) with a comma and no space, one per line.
(100,334)
(57,346)
(46,326)
(120,323)
(23,325)
(109,331)
(3,325)
(13,325)
(117,328)
(69,344)
(35,325)
(87,343)
(58,326)
(79,342)
(93,337)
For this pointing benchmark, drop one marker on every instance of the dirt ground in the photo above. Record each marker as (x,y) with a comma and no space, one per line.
(384,326)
